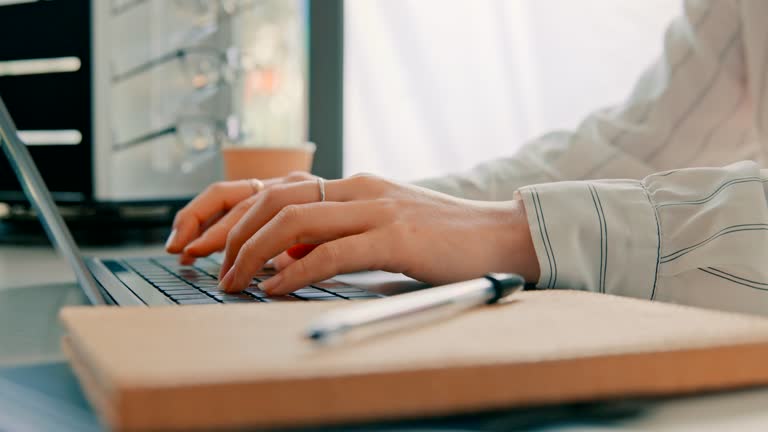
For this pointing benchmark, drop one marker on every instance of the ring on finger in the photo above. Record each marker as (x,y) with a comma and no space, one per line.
(256,184)
(321,187)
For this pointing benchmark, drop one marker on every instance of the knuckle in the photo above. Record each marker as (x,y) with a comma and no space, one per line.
(363,178)
(216,188)
(266,197)
(289,214)
(368,182)
(297,176)
(363,174)
(389,207)
(270,197)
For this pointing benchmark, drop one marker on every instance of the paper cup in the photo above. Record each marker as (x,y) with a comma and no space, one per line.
(266,162)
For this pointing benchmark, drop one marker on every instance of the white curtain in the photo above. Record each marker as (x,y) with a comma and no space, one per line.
(436,86)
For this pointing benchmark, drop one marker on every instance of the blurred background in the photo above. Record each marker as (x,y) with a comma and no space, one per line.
(435,86)
(128,105)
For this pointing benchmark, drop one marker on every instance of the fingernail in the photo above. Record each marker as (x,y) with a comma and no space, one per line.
(271,285)
(171,238)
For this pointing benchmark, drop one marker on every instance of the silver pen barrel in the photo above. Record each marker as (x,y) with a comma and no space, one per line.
(407,309)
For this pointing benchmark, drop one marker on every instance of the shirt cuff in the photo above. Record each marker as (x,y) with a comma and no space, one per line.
(601,236)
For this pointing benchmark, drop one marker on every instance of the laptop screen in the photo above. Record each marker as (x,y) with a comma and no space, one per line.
(40,198)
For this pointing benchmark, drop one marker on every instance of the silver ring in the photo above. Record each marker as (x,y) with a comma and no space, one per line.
(256,184)
(321,186)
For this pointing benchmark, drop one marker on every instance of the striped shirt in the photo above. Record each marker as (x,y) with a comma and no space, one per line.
(661,197)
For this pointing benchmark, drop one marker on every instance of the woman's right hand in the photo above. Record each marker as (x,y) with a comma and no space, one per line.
(202,226)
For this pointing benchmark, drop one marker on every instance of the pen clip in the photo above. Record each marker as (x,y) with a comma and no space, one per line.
(504,284)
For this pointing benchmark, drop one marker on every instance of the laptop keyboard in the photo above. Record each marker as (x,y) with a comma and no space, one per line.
(197,284)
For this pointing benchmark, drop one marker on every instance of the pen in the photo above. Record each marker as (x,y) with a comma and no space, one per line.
(418,305)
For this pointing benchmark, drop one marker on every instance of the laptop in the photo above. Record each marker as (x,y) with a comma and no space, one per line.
(145,281)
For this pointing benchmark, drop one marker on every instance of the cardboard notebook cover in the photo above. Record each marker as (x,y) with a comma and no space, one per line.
(232,366)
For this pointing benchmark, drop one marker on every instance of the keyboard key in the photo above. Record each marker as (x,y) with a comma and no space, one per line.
(345,290)
(175,283)
(308,290)
(330,284)
(208,288)
(255,292)
(313,296)
(175,268)
(206,300)
(189,296)
(248,300)
(361,295)
(211,290)
(202,276)
(225,296)
(190,271)
(209,282)
(180,291)
(147,269)
(276,299)
(210,267)
(164,259)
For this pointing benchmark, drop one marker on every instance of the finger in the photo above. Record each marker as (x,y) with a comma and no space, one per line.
(345,255)
(215,199)
(215,238)
(272,200)
(310,223)
(282,261)
(294,253)
(186,260)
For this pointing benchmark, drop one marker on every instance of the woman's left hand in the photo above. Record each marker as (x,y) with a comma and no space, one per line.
(368,223)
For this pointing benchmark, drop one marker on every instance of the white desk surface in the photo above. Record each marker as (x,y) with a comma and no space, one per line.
(35,283)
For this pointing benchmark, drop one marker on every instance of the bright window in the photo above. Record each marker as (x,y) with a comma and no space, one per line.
(436,86)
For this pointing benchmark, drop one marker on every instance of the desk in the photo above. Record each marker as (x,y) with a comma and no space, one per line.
(35,284)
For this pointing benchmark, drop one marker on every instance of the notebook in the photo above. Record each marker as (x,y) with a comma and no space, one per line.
(207,366)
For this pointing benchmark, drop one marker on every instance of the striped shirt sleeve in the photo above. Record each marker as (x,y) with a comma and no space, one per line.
(696,236)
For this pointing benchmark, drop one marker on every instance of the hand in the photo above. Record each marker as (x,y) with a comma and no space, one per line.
(201,227)
(368,223)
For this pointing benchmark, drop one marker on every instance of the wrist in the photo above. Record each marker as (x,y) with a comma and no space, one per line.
(529,262)
(515,248)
